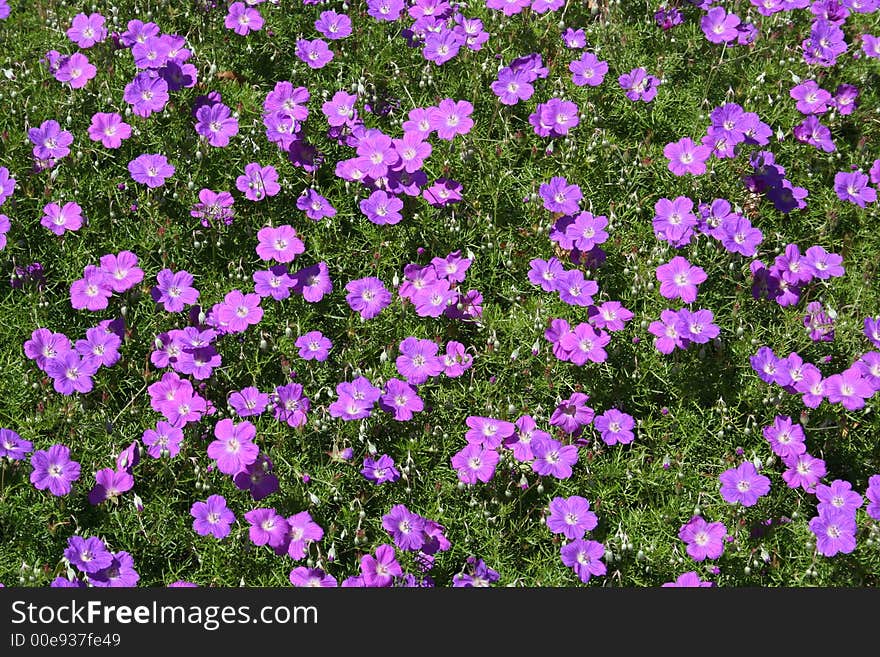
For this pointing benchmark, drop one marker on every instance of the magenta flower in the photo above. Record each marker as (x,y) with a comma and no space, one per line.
(280,244)
(151,170)
(243,19)
(588,70)
(418,360)
(685,156)
(59,218)
(302,530)
(238,311)
(248,401)
(290,405)
(456,360)
(615,427)
(267,527)
(853,187)
(380,470)
(679,279)
(313,346)
(719,26)
(835,532)
(122,270)
(76,71)
(584,344)
(553,458)
(367,296)
(274,282)
(689,579)
(475,462)
(488,431)
(216,124)
(382,208)
(92,291)
(401,399)
(314,53)
(704,540)
(804,471)
(54,469)
(848,388)
(743,484)
(233,448)
(258,182)
(380,570)
(174,290)
(571,517)
(451,118)
(584,557)
(212,517)
(87,30)
(313,282)
(109,485)
(164,440)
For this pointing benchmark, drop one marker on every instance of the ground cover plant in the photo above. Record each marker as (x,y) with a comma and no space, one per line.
(430,293)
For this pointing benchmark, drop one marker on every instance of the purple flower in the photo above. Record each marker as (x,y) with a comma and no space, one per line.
(100,345)
(512,86)
(824,264)
(233,448)
(89,555)
(488,431)
(639,85)
(151,170)
(418,360)
(588,70)
(332,25)
(290,405)
(367,296)
(76,71)
(13,446)
(559,196)
(571,517)
(853,187)
(213,206)
(314,53)
(238,311)
(451,118)
(407,528)
(835,532)
(477,574)
(848,388)
(803,471)
(314,205)
(110,484)
(380,570)
(53,469)
(873,495)
(311,577)
(174,290)
(87,30)
(243,19)
(313,282)
(553,458)
(738,235)
(302,530)
(212,517)
(72,374)
(274,282)
(838,497)
(59,218)
(475,462)
(92,291)
(685,156)
(122,270)
(743,484)
(7,185)
(584,557)
(257,478)
(313,346)
(146,94)
(382,208)
(164,440)
(216,124)
(719,26)
(583,343)
(689,579)
(401,399)
(546,273)
(615,427)
(456,360)
(120,573)
(280,244)
(704,540)
(258,182)
(679,279)
(697,326)
(674,221)
(811,99)
(50,141)
(267,527)
(381,470)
